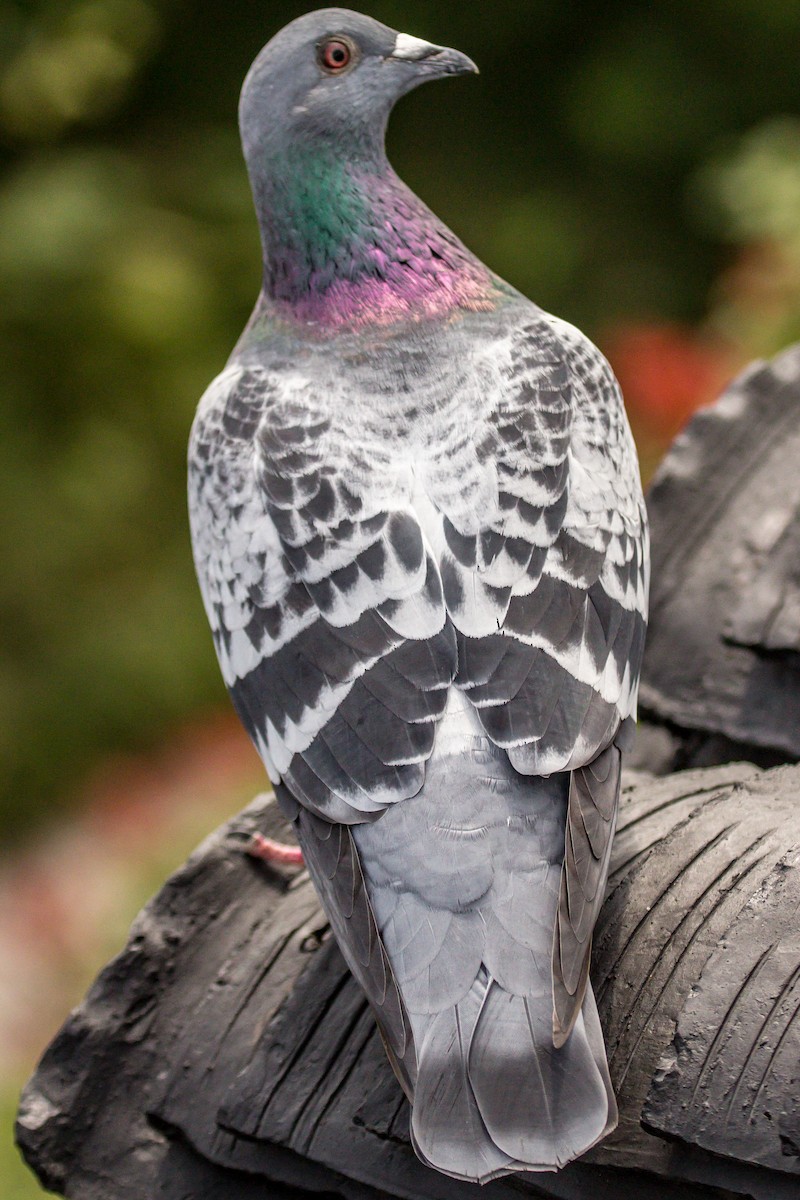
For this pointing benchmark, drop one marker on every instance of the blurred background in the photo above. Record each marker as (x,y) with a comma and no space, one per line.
(634,168)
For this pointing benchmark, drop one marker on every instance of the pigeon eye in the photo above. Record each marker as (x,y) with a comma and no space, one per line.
(335,55)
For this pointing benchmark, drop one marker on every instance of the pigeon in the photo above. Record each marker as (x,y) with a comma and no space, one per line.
(421,543)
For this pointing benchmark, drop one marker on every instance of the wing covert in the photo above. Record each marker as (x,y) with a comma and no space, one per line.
(547,592)
(325,605)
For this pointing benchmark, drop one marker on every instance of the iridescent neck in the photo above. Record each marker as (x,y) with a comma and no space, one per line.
(348,244)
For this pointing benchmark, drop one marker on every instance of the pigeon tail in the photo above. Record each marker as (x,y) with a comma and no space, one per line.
(494,1095)
(463,881)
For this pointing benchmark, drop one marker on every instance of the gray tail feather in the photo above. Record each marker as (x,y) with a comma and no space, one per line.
(494,1095)
(591,819)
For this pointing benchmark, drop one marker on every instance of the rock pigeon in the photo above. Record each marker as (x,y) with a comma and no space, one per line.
(420,538)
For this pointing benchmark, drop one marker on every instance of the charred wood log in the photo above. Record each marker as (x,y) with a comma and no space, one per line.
(722,664)
(229,1035)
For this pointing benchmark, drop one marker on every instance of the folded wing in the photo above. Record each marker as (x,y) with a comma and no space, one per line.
(547,591)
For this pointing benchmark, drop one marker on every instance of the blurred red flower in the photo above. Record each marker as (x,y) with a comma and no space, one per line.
(666,373)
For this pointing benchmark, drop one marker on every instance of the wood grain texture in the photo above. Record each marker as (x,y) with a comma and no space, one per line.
(731,1086)
(230,1034)
(225,935)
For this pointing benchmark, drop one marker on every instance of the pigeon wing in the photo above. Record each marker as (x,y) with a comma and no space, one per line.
(325,605)
(330,626)
(548,598)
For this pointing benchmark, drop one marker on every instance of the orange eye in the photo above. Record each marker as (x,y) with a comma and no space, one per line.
(335,55)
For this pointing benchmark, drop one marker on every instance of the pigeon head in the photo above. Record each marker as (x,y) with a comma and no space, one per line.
(333,76)
(345,242)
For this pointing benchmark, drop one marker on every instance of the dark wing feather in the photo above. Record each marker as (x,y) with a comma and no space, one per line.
(332,859)
(591,819)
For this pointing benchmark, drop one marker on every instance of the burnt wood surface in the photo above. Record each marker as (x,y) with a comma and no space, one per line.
(722,661)
(229,1036)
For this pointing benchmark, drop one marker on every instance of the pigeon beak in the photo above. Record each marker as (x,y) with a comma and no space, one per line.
(430,59)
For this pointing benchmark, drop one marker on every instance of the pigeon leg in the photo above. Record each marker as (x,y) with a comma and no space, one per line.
(274,852)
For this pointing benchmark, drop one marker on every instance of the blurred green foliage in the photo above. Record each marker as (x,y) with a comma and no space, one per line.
(608,161)
(750,193)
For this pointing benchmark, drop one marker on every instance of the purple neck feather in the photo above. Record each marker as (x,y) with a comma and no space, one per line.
(349,245)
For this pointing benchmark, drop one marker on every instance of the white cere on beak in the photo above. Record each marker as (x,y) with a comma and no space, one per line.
(412,48)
